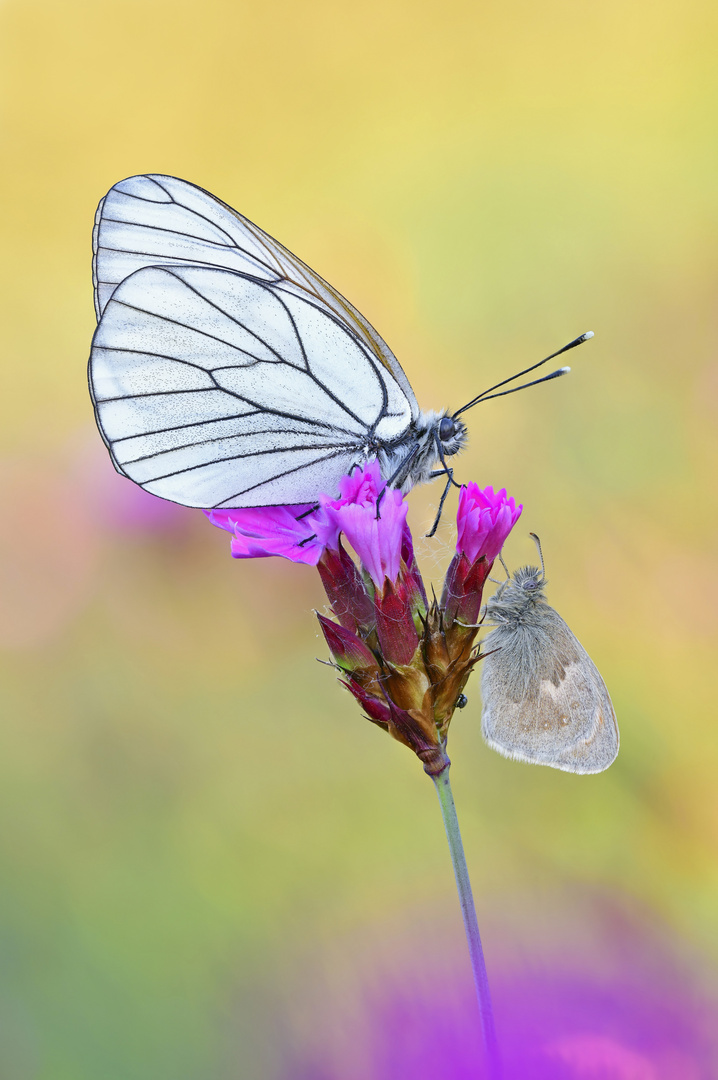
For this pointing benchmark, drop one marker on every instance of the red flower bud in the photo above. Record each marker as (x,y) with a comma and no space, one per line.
(348,650)
(377,711)
(463,588)
(395,628)
(411,574)
(345,588)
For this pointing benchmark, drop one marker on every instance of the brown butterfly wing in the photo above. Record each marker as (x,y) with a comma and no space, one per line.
(544,700)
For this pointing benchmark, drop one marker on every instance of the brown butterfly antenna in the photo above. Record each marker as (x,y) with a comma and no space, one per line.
(537,542)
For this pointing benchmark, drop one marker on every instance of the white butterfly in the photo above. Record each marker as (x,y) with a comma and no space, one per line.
(226,373)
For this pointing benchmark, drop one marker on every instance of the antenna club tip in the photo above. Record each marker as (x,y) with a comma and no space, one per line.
(563,371)
(587,335)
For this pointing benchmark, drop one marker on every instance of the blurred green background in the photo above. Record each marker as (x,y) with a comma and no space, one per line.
(205,853)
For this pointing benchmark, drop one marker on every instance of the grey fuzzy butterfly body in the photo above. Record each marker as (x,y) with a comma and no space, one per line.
(544,700)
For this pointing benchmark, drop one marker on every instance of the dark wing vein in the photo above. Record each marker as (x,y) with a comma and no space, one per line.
(192,423)
(236,322)
(168,393)
(337,401)
(175,232)
(238,397)
(163,356)
(232,246)
(370,357)
(285,472)
(203,217)
(220,438)
(242,457)
(204,333)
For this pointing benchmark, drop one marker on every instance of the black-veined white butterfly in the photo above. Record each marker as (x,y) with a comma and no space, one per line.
(226,373)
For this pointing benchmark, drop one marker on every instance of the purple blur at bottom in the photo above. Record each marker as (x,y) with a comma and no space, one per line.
(550,1027)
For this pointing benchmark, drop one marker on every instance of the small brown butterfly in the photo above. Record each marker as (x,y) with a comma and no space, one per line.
(544,700)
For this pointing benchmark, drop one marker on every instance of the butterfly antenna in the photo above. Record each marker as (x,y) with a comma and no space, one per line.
(537,542)
(506,569)
(487,394)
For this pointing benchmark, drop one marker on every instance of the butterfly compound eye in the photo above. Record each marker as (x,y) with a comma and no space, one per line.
(447,429)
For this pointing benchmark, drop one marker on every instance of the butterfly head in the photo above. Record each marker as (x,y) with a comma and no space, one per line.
(520,599)
(530,580)
(421,453)
(451,434)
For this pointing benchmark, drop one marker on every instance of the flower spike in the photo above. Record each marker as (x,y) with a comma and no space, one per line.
(405,660)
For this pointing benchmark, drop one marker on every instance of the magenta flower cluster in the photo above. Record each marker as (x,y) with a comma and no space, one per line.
(303,533)
(405,660)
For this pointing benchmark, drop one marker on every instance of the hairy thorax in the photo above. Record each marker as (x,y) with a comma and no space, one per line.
(418,453)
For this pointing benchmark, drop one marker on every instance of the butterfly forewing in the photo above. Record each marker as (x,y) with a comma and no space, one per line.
(160,220)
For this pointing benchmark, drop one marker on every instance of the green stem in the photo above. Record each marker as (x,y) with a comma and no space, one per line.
(471,926)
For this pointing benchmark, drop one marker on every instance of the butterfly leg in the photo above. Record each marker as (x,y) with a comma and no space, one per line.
(442,500)
(393,477)
(446,471)
(449,472)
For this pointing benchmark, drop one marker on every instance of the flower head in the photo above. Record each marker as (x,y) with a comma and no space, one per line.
(422,654)
(405,661)
(483,521)
(373,519)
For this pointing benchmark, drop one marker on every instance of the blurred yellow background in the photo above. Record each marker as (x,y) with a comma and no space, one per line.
(203,848)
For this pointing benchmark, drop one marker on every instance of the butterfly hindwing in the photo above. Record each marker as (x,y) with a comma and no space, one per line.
(214,388)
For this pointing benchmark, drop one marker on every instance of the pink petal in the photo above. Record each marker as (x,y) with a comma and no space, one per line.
(263,531)
(484,520)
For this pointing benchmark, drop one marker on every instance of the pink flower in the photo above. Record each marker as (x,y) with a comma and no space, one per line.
(383,543)
(303,533)
(484,520)
(360,486)
(376,538)
(298,533)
